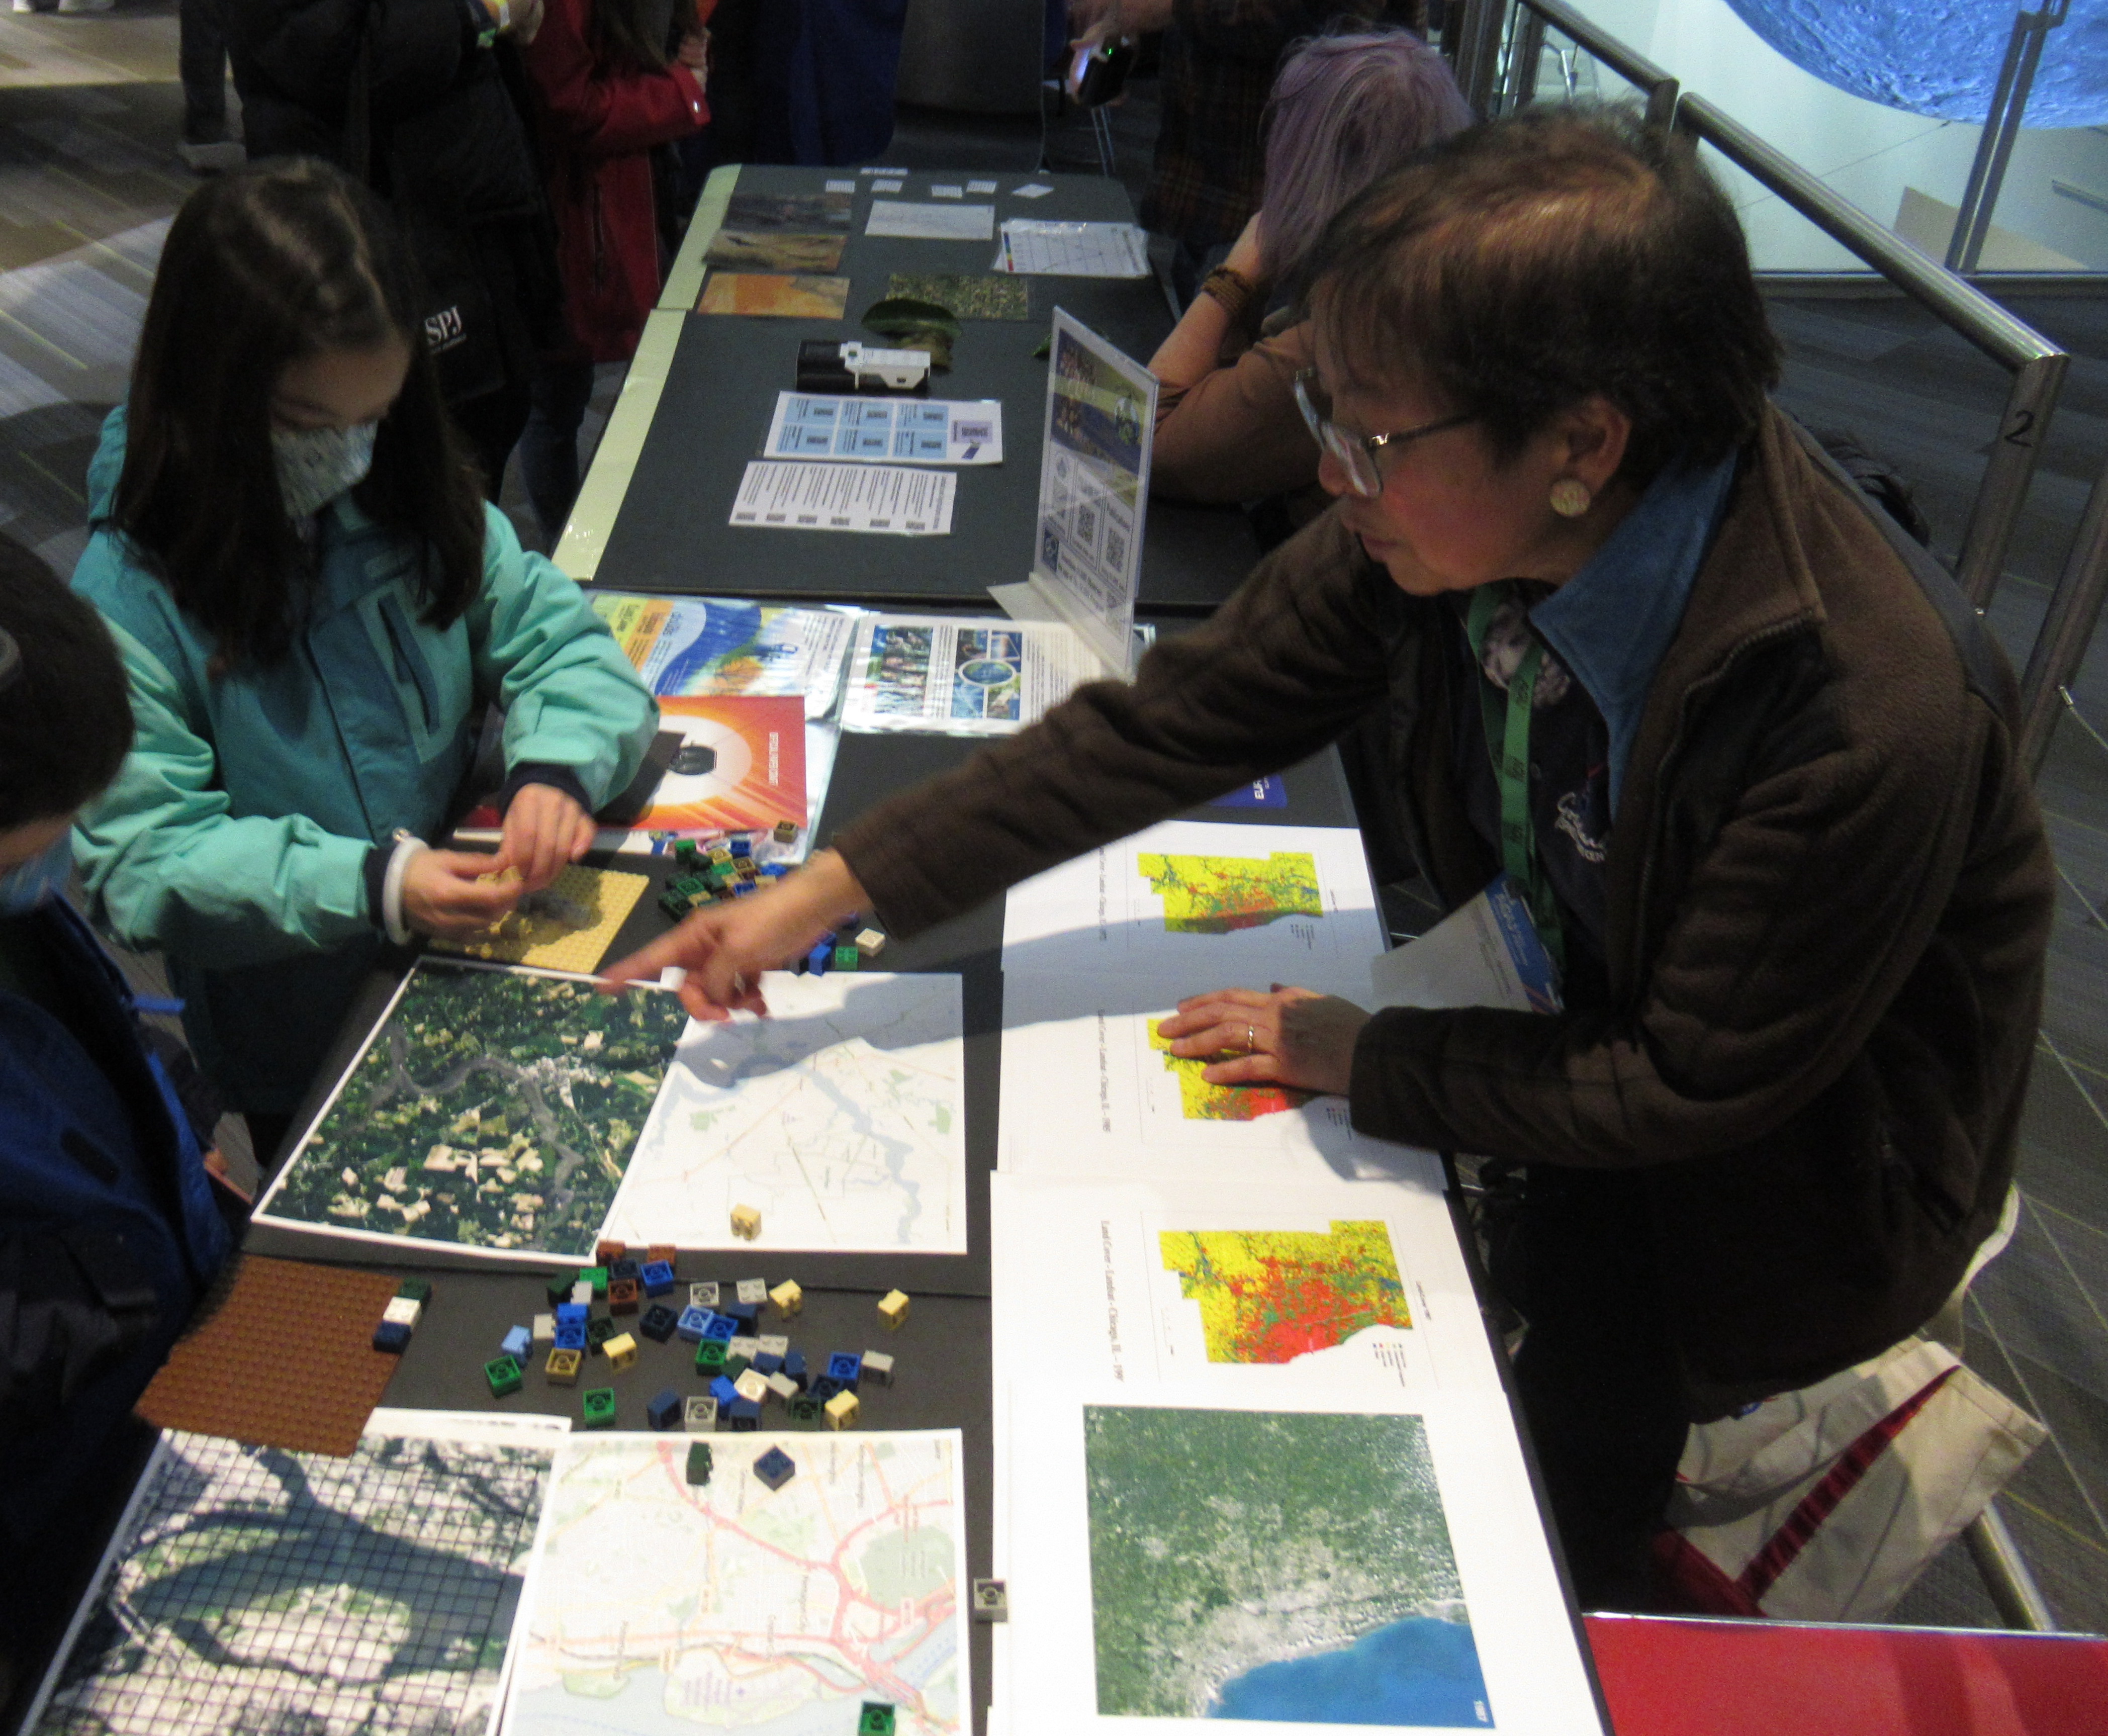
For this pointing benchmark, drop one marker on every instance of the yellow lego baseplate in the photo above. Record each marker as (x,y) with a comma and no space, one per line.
(546,938)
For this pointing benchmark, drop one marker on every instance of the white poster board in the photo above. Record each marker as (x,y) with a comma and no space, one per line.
(1093,489)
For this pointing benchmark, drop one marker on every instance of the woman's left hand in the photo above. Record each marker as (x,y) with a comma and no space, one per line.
(1289,1037)
(545,830)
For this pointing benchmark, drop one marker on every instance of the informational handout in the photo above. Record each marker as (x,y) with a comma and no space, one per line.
(885,500)
(249,1588)
(492,1112)
(840,1118)
(1485,953)
(689,646)
(1040,247)
(1235,1288)
(876,430)
(1192,905)
(660,1604)
(1090,1087)
(1379,1561)
(946,675)
(738,765)
(908,220)
(1093,487)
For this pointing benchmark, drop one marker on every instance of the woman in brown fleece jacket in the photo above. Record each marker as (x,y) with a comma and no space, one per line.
(1772,816)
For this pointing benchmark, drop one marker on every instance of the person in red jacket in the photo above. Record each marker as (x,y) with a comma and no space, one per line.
(612,78)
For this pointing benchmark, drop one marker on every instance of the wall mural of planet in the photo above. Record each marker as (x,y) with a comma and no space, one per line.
(1939,57)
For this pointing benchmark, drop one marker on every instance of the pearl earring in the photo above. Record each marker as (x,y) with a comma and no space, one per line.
(1570,497)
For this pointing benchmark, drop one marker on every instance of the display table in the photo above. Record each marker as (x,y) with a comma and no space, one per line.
(653,514)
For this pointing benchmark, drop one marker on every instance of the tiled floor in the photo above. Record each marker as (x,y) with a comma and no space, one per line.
(89,110)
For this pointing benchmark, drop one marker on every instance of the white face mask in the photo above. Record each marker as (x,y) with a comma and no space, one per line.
(316,465)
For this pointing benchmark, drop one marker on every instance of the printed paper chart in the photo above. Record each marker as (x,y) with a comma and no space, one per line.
(1088,1088)
(1194,906)
(840,1118)
(1236,1288)
(1379,1564)
(661,1606)
(253,1589)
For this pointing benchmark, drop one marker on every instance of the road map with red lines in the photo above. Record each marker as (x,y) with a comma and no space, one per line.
(658,1606)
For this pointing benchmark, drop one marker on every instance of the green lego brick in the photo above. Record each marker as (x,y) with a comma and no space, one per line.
(598,1404)
(598,1331)
(414,1290)
(736,1366)
(597,1276)
(710,1356)
(847,958)
(674,906)
(805,1408)
(876,1720)
(503,1374)
(699,1464)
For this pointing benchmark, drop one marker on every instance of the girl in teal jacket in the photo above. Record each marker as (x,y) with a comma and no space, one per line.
(316,608)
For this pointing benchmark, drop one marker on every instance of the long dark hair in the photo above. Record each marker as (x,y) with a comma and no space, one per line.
(263,267)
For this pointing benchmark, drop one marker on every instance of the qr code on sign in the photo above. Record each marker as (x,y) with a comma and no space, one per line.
(1086,525)
(1115,548)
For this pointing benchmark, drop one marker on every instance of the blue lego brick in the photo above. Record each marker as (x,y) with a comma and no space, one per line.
(569,1338)
(821,959)
(845,1368)
(824,1389)
(656,1276)
(690,1322)
(775,1468)
(793,1365)
(721,1327)
(741,847)
(723,1392)
(392,1336)
(775,870)
(765,1363)
(745,1313)
(658,1322)
(619,1269)
(572,1313)
(664,1410)
(516,1343)
(745,1415)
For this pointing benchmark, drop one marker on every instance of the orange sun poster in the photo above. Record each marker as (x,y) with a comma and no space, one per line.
(739,765)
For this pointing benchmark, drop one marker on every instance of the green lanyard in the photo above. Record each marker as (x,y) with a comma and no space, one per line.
(1507,745)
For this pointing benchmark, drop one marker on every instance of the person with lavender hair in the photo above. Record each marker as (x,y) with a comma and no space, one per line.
(1346,110)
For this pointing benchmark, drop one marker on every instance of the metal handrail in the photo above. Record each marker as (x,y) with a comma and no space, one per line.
(1662,89)
(2074,609)
(2038,365)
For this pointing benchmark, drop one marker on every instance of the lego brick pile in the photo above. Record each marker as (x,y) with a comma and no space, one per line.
(745,1371)
(717,873)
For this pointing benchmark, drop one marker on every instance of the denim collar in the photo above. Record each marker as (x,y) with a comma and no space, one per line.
(1611,623)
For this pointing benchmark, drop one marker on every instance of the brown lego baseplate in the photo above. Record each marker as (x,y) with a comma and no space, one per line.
(280,1355)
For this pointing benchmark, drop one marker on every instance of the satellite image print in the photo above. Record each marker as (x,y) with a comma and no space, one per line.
(494,1109)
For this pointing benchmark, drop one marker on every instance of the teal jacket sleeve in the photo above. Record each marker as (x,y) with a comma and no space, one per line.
(167,864)
(569,695)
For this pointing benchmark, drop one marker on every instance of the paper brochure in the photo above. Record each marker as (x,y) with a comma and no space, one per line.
(878,430)
(886,500)
(683,646)
(956,675)
(1484,953)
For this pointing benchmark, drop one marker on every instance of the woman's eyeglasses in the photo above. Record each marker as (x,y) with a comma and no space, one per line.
(1356,452)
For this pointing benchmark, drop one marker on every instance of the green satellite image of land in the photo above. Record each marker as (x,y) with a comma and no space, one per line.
(1224,1539)
(495,1109)
(1215,894)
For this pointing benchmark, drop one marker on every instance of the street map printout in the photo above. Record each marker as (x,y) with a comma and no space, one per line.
(661,1607)
(840,1118)
(251,1589)
(491,1110)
